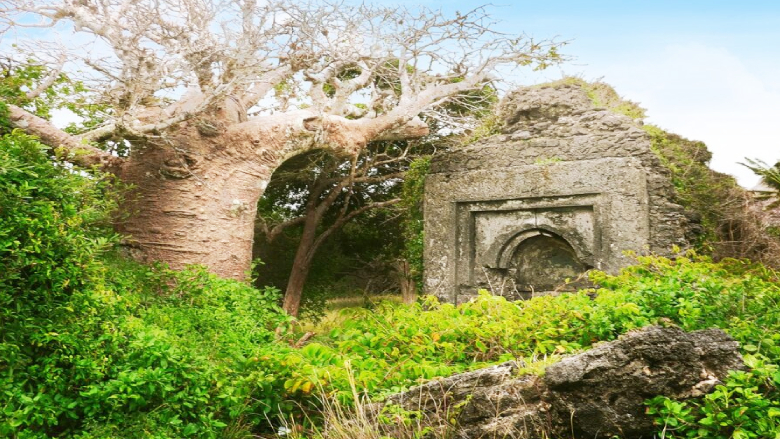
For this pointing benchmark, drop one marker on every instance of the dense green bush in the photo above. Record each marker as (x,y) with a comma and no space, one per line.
(95,346)
(737,296)
(710,199)
(199,357)
(393,346)
(52,226)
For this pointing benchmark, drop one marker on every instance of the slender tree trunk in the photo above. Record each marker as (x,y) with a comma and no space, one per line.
(294,291)
(301,265)
(408,285)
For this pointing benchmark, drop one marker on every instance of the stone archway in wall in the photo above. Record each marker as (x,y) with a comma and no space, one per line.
(546,262)
(585,174)
(504,244)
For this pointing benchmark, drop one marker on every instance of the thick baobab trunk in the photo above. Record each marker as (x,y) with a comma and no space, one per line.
(194,204)
(196,182)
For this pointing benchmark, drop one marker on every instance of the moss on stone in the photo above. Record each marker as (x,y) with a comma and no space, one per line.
(703,192)
(602,95)
(711,199)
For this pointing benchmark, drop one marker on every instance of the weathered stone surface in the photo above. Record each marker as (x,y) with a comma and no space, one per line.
(602,390)
(563,170)
(596,394)
(484,403)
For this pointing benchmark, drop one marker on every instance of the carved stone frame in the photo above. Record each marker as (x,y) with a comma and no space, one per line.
(614,189)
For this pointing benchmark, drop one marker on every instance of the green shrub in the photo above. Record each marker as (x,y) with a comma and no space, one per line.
(392,347)
(52,226)
(95,346)
(197,355)
(735,295)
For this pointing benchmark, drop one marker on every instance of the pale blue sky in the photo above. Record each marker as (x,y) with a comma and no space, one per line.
(707,70)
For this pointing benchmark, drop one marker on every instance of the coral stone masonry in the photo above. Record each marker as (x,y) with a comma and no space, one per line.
(564,188)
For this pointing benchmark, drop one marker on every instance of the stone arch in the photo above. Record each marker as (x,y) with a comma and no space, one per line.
(543,261)
(506,247)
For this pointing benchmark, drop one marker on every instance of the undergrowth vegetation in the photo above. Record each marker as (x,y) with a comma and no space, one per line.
(95,346)
(92,346)
(394,346)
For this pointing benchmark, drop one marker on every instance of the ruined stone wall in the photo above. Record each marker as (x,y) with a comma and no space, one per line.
(562,173)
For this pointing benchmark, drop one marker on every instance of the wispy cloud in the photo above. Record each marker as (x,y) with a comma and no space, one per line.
(706,93)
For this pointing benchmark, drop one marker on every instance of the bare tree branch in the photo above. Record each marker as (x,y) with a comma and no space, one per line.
(76,152)
(346,218)
(48,80)
(271,233)
(365,68)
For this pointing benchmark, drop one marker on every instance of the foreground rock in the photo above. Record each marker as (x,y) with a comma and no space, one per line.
(596,394)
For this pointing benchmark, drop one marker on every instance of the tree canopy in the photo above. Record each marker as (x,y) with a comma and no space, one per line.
(204,99)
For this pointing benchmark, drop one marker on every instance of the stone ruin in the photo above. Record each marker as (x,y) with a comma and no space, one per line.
(566,187)
(598,394)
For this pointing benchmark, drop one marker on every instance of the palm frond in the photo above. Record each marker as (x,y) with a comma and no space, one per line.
(770,175)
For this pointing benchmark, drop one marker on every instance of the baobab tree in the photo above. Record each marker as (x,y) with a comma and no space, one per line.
(209,97)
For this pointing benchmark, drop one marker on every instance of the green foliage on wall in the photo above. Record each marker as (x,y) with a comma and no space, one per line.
(720,224)
(704,193)
(412,195)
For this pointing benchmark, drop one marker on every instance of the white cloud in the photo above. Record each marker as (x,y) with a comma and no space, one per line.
(62,117)
(705,93)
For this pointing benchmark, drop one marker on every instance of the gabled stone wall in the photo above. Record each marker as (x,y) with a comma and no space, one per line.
(566,187)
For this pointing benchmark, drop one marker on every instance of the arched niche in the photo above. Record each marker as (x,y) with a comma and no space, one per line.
(544,261)
(503,250)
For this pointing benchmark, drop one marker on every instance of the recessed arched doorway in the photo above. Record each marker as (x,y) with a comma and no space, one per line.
(547,262)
